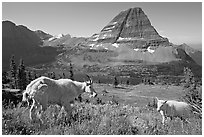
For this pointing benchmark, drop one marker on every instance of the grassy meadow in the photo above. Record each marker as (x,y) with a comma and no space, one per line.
(116,111)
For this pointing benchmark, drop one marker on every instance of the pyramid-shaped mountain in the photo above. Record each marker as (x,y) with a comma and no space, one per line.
(131,26)
(131,35)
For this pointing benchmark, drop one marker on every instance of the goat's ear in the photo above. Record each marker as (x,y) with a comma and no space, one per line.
(156,99)
(90,80)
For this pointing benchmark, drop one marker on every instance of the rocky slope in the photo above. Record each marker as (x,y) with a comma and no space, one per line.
(196,55)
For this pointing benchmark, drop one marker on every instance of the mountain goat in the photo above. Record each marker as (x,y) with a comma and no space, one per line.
(45,91)
(172,109)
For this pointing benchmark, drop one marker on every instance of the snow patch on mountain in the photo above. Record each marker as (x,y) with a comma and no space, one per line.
(120,38)
(114,23)
(115,45)
(150,50)
(95,39)
(109,28)
(91,45)
(56,37)
(136,49)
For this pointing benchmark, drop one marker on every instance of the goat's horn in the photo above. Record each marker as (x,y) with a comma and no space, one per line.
(89,79)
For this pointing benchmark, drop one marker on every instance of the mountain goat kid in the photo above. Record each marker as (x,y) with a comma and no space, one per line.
(45,91)
(173,109)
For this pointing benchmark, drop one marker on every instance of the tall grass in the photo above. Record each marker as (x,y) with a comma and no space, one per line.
(96,119)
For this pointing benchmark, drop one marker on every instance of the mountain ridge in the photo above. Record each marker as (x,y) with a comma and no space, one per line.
(43,35)
(23,43)
(129,36)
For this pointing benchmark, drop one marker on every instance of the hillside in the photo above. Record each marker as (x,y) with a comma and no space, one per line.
(25,44)
(196,55)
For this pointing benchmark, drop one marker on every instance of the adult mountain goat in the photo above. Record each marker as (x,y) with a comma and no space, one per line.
(45,91)
(173,108)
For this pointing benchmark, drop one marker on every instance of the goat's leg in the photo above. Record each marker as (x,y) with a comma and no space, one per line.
(163,117)
(32,110)
(68,109)
(42,108)
(40,113)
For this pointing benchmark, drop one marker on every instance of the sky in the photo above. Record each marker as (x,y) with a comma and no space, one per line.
(180,22)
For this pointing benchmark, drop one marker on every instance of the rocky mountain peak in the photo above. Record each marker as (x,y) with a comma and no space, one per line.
(132,27)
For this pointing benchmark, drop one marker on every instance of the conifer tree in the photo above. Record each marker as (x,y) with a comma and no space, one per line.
(193,91)
(21,76)
(29,77)
(115,83)
(5,79)
(71,72)
(35,75)
(13,72)
(53,75)
(127,82)
(63,75)
(189,78)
